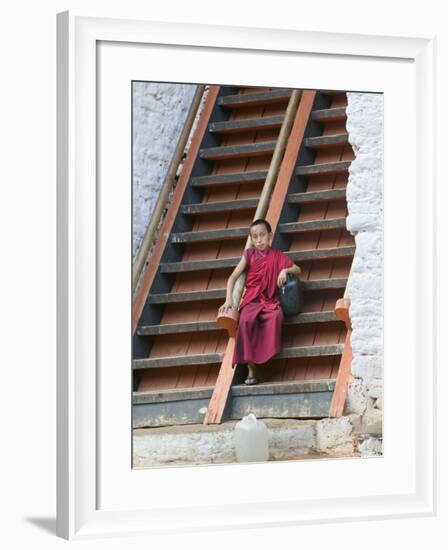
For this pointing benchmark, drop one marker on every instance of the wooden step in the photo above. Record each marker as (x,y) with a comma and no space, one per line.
(299,256)
(313,225)
(316,196)
(332,93)
(249,204)
(245,125)
(320,142)
(191,296)
(310,351)
(241,232)
(324,168)
(178,361)
(175,394)
(284,388)
(220,293)
(295,399)
(256,98)
(201,326)
(334,114)
(255,176)
(322,254)
(216,207)
(291,399)
(177,328)
(213,358)
(224,152)
(212,235)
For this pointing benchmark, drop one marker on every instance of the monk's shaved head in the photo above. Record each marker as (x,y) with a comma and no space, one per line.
(261,222)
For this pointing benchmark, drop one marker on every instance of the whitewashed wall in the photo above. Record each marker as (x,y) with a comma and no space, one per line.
(365,287)
(159,113)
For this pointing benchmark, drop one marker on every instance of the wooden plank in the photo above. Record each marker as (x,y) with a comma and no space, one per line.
(151,270)
(216,235)
(219,399)
(343,378)
(322,253)
(285,388)
(246,124)
(175,328)
(335,140)
(299,405)
(324,168)
(316,196)
(189,296)
(221,206)
(310,351)
(258,149)
(230,178)
(199,265)
(167,396)
(317,225)
(257,98)
(220,293)
(311,317)
(221,263)
(178,361)
(173,413)
(333,114)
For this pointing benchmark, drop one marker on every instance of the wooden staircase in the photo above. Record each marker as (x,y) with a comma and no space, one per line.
(180,354)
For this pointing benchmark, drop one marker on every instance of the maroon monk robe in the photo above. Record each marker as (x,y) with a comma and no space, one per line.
(258,336)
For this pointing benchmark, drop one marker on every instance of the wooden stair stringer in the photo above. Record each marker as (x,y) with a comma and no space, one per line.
(221,392)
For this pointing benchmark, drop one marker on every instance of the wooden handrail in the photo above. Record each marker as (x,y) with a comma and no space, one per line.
(275,199)
(148,238)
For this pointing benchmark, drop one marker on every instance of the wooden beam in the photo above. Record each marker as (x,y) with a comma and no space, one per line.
(156,256)
(223,384)
(345,366)
(343,378)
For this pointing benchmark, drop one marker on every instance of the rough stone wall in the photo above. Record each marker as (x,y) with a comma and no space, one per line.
(159,113)
(365,287)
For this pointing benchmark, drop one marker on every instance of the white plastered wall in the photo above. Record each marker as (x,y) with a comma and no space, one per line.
(159,113)
(365,287)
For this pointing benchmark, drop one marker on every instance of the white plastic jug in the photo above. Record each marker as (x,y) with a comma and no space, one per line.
(251,440)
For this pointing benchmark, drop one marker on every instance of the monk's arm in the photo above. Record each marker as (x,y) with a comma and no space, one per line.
(294,270)
(283,275)
(231,282)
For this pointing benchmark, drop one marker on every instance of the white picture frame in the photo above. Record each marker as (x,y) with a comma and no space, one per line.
(98,493)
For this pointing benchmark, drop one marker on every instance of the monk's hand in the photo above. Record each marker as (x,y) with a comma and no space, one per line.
(227,306)
(282,278)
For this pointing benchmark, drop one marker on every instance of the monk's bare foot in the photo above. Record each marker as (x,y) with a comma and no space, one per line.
(251,381)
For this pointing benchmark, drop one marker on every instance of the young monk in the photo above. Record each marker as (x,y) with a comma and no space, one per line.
(258,336)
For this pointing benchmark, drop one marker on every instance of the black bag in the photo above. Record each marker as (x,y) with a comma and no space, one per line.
(291,296)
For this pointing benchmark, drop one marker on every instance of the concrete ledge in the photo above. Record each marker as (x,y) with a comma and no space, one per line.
(198,444)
